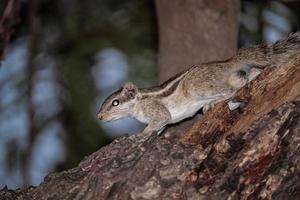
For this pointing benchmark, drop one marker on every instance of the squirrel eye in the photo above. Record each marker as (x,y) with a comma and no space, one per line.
(115,102)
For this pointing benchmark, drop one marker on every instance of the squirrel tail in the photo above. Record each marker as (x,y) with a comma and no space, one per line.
(278,52)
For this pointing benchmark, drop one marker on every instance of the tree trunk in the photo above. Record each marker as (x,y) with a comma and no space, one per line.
(243,154)
(9,19)
(195,31)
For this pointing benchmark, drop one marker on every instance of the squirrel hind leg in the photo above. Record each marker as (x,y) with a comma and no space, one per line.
(254,73)
(232,105)
(245,74)
(238,79)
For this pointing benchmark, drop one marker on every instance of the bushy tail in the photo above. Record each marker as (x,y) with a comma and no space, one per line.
(276,53)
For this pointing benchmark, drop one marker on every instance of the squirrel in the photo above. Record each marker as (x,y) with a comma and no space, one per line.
(198,87)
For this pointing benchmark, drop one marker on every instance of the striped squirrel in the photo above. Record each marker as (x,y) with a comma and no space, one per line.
(201,86)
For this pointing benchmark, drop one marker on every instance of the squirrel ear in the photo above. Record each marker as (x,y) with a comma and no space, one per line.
(130,88)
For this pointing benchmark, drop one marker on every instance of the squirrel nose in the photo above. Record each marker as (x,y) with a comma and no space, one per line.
(100,116)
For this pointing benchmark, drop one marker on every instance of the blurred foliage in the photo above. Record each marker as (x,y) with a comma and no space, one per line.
(80,30)
(260,18)
(71,32)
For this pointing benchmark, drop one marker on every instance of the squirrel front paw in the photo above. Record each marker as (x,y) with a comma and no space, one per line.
(150,129)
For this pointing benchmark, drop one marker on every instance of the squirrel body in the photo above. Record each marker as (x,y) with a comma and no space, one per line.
(201,86)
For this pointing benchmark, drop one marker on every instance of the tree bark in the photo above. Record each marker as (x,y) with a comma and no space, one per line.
(252,153)
(195,31)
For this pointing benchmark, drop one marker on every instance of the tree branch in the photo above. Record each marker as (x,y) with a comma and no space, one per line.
(248,154)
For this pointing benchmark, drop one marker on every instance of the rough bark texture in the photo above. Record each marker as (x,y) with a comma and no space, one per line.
(195,31)
(252,153)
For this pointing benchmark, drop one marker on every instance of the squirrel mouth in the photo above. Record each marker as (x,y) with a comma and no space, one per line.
(100,116)
(106,118)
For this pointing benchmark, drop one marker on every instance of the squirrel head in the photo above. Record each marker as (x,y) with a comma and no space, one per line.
(119,104)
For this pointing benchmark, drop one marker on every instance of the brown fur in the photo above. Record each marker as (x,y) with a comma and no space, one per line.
(200,86)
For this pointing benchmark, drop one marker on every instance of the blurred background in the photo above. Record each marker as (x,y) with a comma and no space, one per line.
(67,56)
